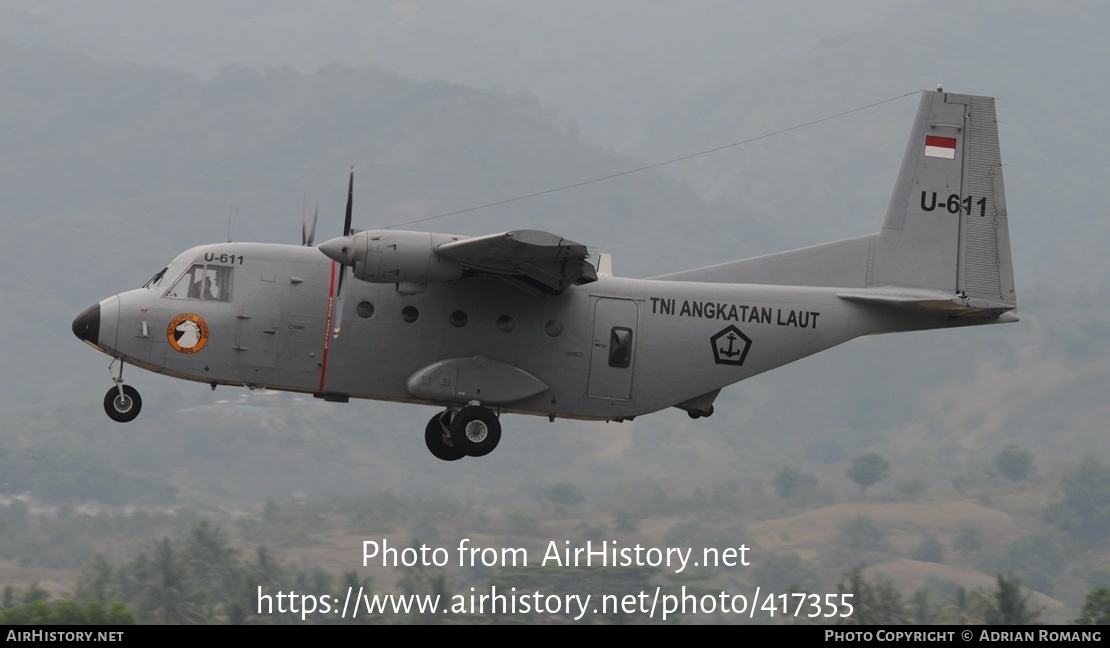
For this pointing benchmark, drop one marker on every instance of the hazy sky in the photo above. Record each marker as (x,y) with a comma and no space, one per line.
(597,63)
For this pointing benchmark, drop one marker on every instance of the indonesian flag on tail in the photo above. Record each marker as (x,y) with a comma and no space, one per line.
(940,147)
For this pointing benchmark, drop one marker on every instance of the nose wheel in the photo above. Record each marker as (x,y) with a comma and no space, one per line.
(122,403)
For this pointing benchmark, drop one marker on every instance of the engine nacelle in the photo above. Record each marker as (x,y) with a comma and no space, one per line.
(388,256)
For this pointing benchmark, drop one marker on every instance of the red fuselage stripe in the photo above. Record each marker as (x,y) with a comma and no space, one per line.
(327,328)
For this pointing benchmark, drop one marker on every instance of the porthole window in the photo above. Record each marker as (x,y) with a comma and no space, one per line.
(620,347)
(458,319)
(365,310)
(553,328)
(410,314)
(505,323)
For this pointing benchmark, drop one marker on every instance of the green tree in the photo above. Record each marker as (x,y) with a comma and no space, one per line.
(1085,510)
(420,579)
(1006,605)
(866,469)
(1096,609)
(168,594)
(878,603)
(96,581)
(962,610)
(211,561)
(922,610)
(795,485)
(1013,462)
(967,541)
(361,587)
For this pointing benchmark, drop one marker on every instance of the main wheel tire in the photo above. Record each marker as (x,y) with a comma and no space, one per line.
(123,408)
(476,431)
(697,414)
(437,437)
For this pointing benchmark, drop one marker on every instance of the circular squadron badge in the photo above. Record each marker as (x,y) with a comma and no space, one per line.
(187,333)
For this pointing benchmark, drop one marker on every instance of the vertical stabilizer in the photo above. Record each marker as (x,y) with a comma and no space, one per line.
(946,226)
(945,229)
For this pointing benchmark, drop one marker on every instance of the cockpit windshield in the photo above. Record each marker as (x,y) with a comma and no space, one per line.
(204,282)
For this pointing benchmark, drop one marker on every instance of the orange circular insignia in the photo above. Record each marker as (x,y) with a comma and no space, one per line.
(187,333)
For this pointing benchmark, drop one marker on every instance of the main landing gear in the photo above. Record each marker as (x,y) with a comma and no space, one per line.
(473,431)
(122,403)
(697,414)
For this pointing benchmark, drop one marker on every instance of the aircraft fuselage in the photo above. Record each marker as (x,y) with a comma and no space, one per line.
(685,339)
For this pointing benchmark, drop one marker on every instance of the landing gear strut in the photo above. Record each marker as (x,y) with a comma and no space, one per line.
(122,403)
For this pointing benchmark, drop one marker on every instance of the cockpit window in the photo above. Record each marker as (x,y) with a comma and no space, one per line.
(208,283)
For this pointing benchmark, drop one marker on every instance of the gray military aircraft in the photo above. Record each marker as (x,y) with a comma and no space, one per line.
(526,322)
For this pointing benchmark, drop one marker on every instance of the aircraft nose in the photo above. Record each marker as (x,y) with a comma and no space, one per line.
(86,326)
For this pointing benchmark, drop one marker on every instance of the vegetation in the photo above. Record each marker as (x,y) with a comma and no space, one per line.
(1008,605)
(208,569)
(1096,609)
(866,469)
(1085,510)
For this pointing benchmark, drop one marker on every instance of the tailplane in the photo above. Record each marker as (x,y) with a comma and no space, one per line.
(945,234)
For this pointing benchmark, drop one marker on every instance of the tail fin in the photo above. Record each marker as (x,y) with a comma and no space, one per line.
(946,226)
(945,229)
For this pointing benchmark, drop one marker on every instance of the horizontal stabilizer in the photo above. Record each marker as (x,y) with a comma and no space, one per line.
(937,304)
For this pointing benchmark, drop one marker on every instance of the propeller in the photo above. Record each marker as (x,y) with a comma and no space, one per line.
(308,234)
(337,312)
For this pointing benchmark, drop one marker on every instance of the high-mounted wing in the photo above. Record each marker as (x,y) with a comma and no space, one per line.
(411,260)
(540,259)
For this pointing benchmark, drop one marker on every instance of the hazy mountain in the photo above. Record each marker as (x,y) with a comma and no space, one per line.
(119,149)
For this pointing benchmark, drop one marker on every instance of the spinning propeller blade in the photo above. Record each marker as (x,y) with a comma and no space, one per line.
(308,234)
(337,316)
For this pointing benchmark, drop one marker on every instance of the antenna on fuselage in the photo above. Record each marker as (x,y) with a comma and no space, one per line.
(230,213)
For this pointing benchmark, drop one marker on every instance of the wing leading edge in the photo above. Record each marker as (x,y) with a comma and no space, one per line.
(537,259)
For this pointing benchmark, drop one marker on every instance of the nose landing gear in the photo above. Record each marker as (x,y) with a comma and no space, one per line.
(122,403)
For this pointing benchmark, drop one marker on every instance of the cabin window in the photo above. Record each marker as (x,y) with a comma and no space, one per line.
(505,323)
(553,328)
(620,347)
(458,319)
(206,283)
(410,314)
(365,310)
